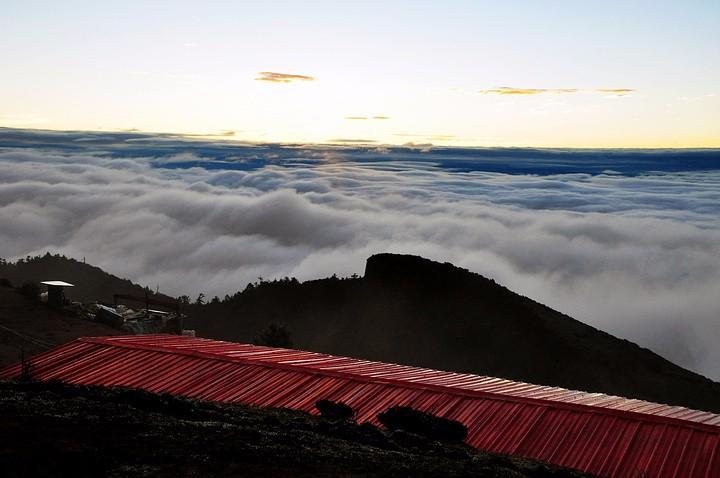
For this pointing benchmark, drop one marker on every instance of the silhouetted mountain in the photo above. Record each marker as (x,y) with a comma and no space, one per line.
(410,310)
(91,283)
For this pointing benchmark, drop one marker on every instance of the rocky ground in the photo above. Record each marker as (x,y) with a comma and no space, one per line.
(54,429)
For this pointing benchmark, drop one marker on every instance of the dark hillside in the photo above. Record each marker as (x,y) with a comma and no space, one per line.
(410,310)
(91,283)
(58,430)
(405,310)
(33,327)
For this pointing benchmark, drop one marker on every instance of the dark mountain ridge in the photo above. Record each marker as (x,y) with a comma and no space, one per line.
(414,311)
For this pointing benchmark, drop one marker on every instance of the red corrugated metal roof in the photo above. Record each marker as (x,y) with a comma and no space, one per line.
(593,432)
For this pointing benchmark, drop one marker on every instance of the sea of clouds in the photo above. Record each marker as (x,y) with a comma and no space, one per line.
(627,242)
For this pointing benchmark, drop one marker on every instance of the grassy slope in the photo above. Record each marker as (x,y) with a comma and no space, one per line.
(53,429)
(34,327)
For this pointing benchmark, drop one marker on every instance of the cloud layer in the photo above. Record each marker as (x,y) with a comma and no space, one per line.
(636,254)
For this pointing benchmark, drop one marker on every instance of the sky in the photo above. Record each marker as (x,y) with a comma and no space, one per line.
(458,73)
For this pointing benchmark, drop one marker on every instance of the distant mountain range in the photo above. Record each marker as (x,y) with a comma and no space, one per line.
(414,311)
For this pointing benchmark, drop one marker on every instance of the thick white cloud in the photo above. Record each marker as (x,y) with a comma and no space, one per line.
(636,256)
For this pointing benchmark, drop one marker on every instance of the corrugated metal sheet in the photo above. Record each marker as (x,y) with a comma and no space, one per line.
(593,432)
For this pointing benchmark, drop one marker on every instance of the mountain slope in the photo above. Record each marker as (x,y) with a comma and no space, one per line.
(405,309)
(91,283)
(33,327)
(410,310)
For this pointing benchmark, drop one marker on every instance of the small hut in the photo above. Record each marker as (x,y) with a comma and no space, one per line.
(56,292)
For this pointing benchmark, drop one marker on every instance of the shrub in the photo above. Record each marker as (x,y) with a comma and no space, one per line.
(275,335)
(30,289)
(334,410)
(420,423)
(25,367)
(5,282)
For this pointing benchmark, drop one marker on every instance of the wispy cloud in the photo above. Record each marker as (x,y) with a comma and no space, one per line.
(697,98)
(507,90)
(222,134)
(352,140)
(432,137)
(616,91)
(274,77)
(22,120)
(365,118)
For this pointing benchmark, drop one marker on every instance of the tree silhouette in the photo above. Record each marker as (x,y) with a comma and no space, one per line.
(274,335)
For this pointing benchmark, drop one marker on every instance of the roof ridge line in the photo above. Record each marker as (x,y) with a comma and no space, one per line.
(503,397)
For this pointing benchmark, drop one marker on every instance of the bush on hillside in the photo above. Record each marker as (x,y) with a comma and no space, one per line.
(30,289)
(334,410)
(275,335)
(424,424)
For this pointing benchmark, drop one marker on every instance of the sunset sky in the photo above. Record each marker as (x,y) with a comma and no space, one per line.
(516,73)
